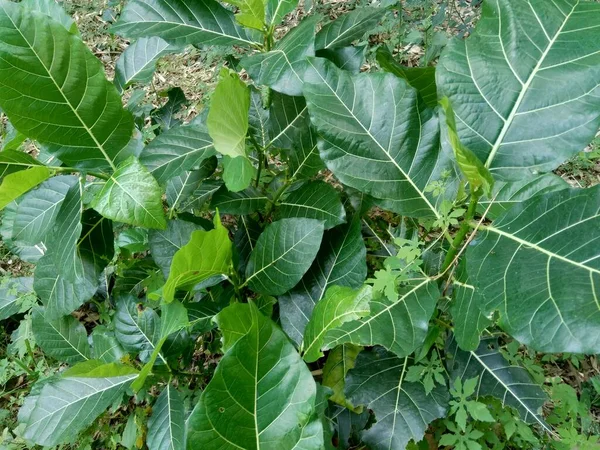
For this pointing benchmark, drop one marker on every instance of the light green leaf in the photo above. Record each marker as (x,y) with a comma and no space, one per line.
(16,295)
(276,10)
(66,81)
(314,200)
(166,425)
(400,325)
(66,406)
(371,140)
(274,393)
(13,161)
(64,339)
(238,173)
(402,409)
(53,10)
(539,266)
(348,28)
(251,13)
(282,69)
(498,378)
(174,317)
(138,62)
(338,306)
(283,254)
(342,260)
(510,107)
(18,183)
(132,196)
(472,168)
(207,254)
(182,22)
(339,361)
(241,203)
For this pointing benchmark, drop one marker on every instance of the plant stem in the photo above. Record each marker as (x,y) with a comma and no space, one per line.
(462,231)
(277,196)
(261,158)
(73,169)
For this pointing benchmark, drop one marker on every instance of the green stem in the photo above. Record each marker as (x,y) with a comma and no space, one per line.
(277,196)
(261,158)
(73,169)
(462,232)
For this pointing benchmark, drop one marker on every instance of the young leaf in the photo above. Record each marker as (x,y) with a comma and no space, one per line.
(182,22)
(238,173)
(132,196)
(64,339)
(166,425)
(340,261)
(165,243)
(509,109)
(282,69)
(338,306)
(498,378)
(402,409)
(18,183)
(399,325)
(274,395)
(66,406)
(348,28)
(251,13)
(207,254)
(314,200)
(537,263)
(283,254)
(65,80)
(369,141)
(339,361)
(138,62)
(239,203)
(472,168)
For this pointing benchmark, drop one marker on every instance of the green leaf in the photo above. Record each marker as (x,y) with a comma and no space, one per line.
(202,311)
(259,118)
(63,339)
(283,254)
(207,254)
(181,190)
(400,325)
(66,81)
(348,28)
(166,115)
(174,317)
(276,10)
(339,361)
(244,240)
(182,22)
(38,209)
(506,195)
(138,62)
(402,409)
(18,183)
(251,13)
(538,264)
(16,295)
(282,69)
(314,200)
(166,425)
(53,10)
(338,306)
(421,78)
(13,161)
(165,243)
(472,168)
(132,196)
(349,58)
(66,406)
(510,108)
(105,346)
(341,261)
(176,150)
(238,173)
(498,378)
(288,120)
(274,396)
(377,136)
(228,115)
(241,203)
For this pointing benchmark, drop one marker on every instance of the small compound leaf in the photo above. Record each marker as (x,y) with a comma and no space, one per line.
(283,254)
(132,196)
(166,425)
(64,339)
(165,243)
(348,28)
(314,200)
(241,203)
(18,183)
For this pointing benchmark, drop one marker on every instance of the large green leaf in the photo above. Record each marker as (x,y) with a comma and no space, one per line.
(349,58)
(53,89)
(132,196)
(282,69)
(166,425)
(338,306)
(277,9)
(314,200)
(207,254)
(182,22)
(13,160)
(262,394)
(400,325)
(165,243)
(402,409)
(341,261)
(138,62)
(377,136)
(181,189)
(18,183)
(246,235)
(16,295)
(526,67)
(499,378)
(288,119)
(251,13)
(283,254)
(176,150)
(53,10)
(64,339)
(241,203)
(348,28)
(105,346)
(63,407)
(539,265)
